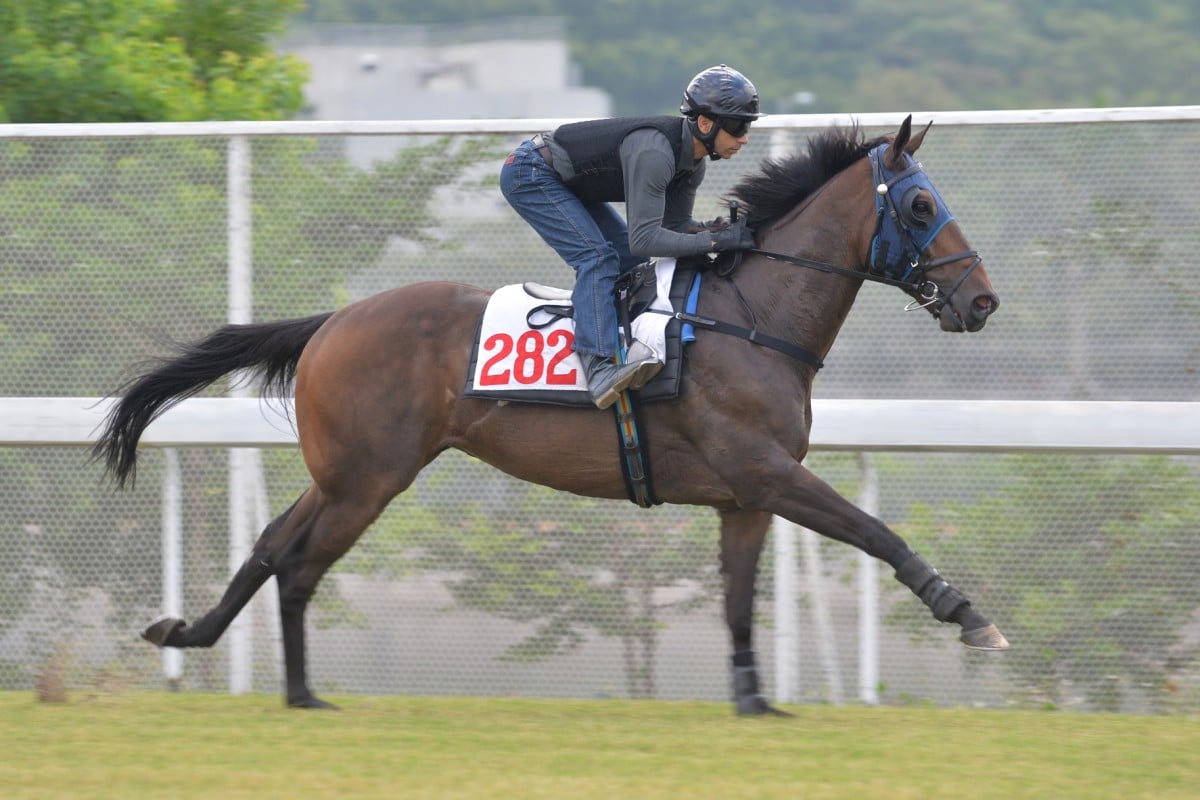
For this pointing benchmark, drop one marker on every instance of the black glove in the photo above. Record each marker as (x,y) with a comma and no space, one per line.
(736,237)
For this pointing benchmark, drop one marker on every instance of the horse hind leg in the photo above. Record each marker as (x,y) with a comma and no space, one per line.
(168,631)
(329,528)
(298,547)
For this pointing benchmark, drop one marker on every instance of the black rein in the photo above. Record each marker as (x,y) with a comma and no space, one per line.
(924,288)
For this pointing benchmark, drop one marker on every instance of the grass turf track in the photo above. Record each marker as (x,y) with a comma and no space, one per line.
(159,745)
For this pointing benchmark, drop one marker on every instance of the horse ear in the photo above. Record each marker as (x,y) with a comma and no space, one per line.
(899,144)
(915,141)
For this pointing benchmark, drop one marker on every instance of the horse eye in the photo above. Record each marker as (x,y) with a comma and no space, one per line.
(922,209)
(917,207)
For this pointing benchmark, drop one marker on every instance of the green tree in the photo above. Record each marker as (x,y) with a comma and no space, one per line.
(145,61)
(86,225)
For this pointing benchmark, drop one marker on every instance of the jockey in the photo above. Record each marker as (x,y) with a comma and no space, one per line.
(562,183)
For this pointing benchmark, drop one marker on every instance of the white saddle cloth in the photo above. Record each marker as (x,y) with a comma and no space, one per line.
(513,356)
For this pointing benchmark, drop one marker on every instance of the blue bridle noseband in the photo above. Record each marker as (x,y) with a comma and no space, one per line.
(901,237)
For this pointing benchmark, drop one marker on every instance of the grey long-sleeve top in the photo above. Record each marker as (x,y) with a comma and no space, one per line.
(658,212)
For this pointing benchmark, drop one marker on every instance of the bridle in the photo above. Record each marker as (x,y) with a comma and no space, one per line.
(900,240)
(897,256)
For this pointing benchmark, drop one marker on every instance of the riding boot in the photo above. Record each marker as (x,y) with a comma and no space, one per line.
(607,379)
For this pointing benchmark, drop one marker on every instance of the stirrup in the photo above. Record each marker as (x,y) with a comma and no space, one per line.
(649,361)
(607,379)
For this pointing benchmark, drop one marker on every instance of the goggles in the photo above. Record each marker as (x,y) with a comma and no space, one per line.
(735,126)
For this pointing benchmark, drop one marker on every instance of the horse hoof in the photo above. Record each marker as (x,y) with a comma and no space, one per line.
(312,702)
(988,637)
(159,631)
(757,705)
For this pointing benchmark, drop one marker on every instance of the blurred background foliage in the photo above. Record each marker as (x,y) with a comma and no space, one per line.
(857,55)
(143,60)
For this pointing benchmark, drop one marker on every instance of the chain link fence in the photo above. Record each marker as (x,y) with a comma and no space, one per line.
(111,245)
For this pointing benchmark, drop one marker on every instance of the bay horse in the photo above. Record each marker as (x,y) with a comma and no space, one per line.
(379,393)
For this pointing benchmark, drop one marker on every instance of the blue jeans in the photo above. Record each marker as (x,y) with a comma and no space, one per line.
(592,238)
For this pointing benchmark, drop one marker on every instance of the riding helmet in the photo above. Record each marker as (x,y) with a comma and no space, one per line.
(720,91)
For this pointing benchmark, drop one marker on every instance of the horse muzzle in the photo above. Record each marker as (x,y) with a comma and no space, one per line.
(956,318)
(969,301)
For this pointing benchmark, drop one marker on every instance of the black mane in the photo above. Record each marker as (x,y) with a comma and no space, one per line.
(781,183)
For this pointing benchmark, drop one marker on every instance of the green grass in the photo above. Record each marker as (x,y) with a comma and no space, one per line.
(138,745)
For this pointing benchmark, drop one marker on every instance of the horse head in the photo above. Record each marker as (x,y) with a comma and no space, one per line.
(919,245)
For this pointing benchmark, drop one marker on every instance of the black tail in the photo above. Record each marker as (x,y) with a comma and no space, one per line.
(270,350)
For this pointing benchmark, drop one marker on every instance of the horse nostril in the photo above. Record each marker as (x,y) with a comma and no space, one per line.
(986,304)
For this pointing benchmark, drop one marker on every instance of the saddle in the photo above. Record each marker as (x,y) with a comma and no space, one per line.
(522,351)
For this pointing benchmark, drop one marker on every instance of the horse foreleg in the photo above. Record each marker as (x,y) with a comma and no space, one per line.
(948,604)
(809,501)
(742,537)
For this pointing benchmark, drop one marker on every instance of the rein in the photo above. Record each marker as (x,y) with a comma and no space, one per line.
(926,289)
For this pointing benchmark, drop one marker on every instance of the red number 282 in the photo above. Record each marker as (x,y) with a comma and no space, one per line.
(528,359)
